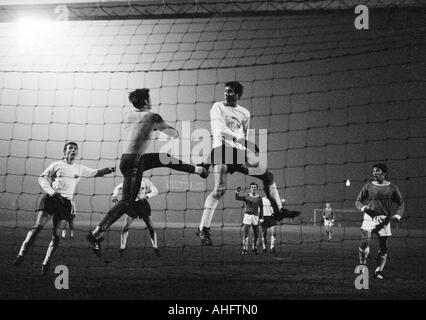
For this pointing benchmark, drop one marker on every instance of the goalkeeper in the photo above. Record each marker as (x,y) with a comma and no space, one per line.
(375,201)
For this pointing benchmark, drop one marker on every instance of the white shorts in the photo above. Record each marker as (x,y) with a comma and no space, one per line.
(251,219)
(328,223)
(372,225)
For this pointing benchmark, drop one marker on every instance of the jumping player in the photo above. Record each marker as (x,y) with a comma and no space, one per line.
(229,125)
(375,201)
(59,181)
(141,210)
(253,215)
(139,124)
(328,217)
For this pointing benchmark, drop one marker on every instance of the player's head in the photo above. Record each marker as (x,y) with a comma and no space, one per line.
(140,98)
(233,91)
(328,205)
(380,171)
(253,186)
(70,150)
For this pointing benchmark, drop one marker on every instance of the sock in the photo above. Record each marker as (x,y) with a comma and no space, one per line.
(49,252)
(209,208)
(97,233)
(273,238)
(264,243)
(154,241)
(363,254)
(381,261)
(123,239)
(275,196)
(71,233)
(23,249)
(245,243)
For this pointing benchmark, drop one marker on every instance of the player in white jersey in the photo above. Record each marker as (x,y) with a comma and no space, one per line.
(230,124)
(58,181)
(140,122)
(269,223)
(142,210)
(328,217)
(375,200)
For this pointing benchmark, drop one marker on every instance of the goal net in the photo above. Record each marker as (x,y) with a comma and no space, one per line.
(333,99)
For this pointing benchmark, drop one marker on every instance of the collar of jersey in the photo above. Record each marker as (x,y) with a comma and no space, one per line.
(381,185)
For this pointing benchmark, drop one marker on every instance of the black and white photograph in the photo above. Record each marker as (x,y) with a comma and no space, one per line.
(220,152)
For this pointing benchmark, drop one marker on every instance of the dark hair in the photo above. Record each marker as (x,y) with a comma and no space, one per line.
(381,166)
(139,97)
(70,143)
(254,184)
(236,86)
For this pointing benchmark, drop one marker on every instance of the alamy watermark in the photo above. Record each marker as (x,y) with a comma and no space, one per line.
(194,146)
(62,280)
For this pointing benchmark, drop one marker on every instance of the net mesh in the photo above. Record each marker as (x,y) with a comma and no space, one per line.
(333,99)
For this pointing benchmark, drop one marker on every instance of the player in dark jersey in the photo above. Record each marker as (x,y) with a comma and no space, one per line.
(139,124)
(253,215)
(375,201)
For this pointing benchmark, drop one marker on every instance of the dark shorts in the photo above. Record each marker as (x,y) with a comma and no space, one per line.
(141,209)
(57,206)
(234,158)
(268,222)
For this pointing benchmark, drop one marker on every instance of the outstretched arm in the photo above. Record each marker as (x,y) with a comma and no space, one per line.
(104,171)
(162,126)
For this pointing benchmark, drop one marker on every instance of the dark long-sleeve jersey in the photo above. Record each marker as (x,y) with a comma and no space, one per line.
(379,199)
(253,204)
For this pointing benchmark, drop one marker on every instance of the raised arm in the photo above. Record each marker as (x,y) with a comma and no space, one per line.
(237,195)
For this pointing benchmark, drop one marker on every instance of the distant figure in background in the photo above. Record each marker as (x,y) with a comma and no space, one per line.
(142,210)
(375,201)
(253,215)
(328,217)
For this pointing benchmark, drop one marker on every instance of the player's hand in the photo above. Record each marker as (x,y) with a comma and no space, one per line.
(238,190)
(261,220)
(396,218)
(114,199)
(52,193)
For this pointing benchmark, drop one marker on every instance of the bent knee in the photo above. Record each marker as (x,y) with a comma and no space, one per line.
(364,244)
(218,192)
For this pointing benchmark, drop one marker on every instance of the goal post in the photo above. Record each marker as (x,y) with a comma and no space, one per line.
(342,217)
